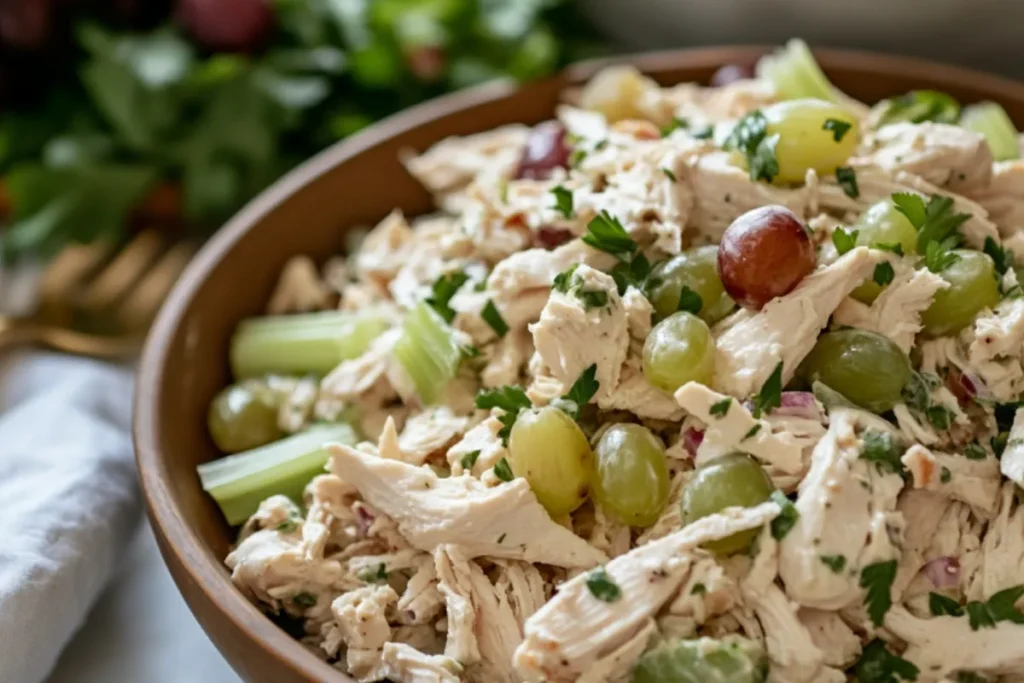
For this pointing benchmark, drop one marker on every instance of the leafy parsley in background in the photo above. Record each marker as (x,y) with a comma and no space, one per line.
(150,109)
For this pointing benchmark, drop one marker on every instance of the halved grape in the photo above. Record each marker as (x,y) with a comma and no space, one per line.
(228,25)
(972,287)
(697,269)
(679,350)
(882,223)
(548,449)
(705,660)
(765,253)
(812,135)
(630,479)
(615,92)
(547,148)
(992,121)
(863,366)
(244,416)
(733,480)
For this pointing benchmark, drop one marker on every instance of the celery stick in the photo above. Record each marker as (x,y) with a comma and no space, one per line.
(992,121)
(795,73)
(312,343)
(240,482)
(428,352)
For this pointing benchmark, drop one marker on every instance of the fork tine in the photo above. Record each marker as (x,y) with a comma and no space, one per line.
(120,275)
(65,276)
(137,310)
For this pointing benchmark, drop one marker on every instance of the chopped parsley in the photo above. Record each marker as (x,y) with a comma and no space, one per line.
(752,432)
(602,586)
(304,600)
(878,665)
(847,179)
(698,589)
(1000,607)
(750,137)
(721,408)
(669,174)
(510,399)
(443,290)
(770,395)
(974,451)
(580,393)
(469,459)
(998,443)
(787,519)
(705,133)
(918,106)
(877,580)
(916,393)
(940,605)
(689,301)
(605,233)
(945,475)
(939,256)
(941,417)
(563,200)
(894,247)
(503,471)
(577,156)
(493,318)
(836,563)
(1002,258)
(884,274)
(378,574)
(881,449)
(592,298)
(936,224)
(565,283)
(674,125)
(287,526)
(502,537)
(839,128)
(844,241)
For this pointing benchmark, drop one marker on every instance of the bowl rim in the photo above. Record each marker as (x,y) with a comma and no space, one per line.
(199,564)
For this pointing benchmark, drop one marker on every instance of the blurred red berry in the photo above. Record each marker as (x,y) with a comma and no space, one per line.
(426,62)
(26,24)
(227,25)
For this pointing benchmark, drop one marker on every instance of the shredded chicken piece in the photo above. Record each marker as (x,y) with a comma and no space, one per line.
(942,154)
(405,664)
(975,482)
(299,288)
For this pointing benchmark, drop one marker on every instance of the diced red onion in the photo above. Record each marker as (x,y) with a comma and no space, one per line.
(974,387)
(943,572)
(692,439)
(798,404)
(730,73)
(366,519)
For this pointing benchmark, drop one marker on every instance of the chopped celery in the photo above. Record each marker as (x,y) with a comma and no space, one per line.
(992,121)
(312,343)
(795,74)
(917,106)
(239,483)
(428,352)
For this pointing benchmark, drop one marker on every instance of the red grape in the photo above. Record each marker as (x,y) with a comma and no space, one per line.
(549,237)
(427,62)
(227,25)
(765,253)
(546,149)
(730,73)
(26,24)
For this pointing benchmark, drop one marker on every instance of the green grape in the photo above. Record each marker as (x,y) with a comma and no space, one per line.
(244,416)
(548,449)
(972,287)
(679,350)
(882,223)
(705,660)
(733,480)
(697,269)
(863,366)
(630,479)
(804,142)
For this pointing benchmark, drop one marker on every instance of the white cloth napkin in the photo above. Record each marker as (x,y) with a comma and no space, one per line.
(69,500)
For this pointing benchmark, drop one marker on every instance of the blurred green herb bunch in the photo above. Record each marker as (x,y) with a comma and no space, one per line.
(214,99)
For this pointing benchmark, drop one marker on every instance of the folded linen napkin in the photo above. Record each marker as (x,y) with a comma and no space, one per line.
(69,500)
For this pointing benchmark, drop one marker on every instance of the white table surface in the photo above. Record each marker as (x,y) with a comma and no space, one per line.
(141,631)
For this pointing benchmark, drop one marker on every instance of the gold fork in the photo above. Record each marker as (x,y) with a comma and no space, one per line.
(99,300)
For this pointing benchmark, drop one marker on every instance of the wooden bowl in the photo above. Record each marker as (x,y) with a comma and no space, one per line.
(354,183)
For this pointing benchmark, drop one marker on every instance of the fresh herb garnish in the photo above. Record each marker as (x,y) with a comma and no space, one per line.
(878,665)
(770,395)
(605,232)
(998,443)
(918,106)
(304,600)
(669,174)
(698,589)
(443,289)
(941,417)
(939,605)
(510,399)
(836,563)
(843,240)
(752,432)
(750,137)
(894,247)
(1000,607)
(378,574)
(287,526)
(602,586)
(720,408)
(1002,258)
(945,475)
(881,449)
(839,128)
(503,471)
(592,298)
(883,274)
(974,451)
(935,222)
(846,177)
(689,301)
(787,519)
(561,281)
(877,580)
(939,256)
(563,200)
(493,318)
(674,125)
(469,459)
(502,537)
(580,393)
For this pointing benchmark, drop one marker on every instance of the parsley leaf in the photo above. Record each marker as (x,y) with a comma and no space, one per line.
(1000,607)
(561,281)
(689,301)
(974,451)
(894,247)
(847,179)
(444,288)
(563,200)
(945,475)
(918,106)
(674,125)
(669,174)
(510,399)
(934,222)
(752,432)
(503,471)
(836,563)
(378,574)
(634,271)
(770,395)
(592,298)
(493,318)
(839,128)
(469,459)
(844,241)
(1002,258)
(787,519)
(878,665)
(939,605)
(750,136)
(304,600)
(605,232)
(877,580)
(881,449)
(602,586)
(916,393)
(721,408)
(884,274)
(580,393)
(938,256)
(941,417)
